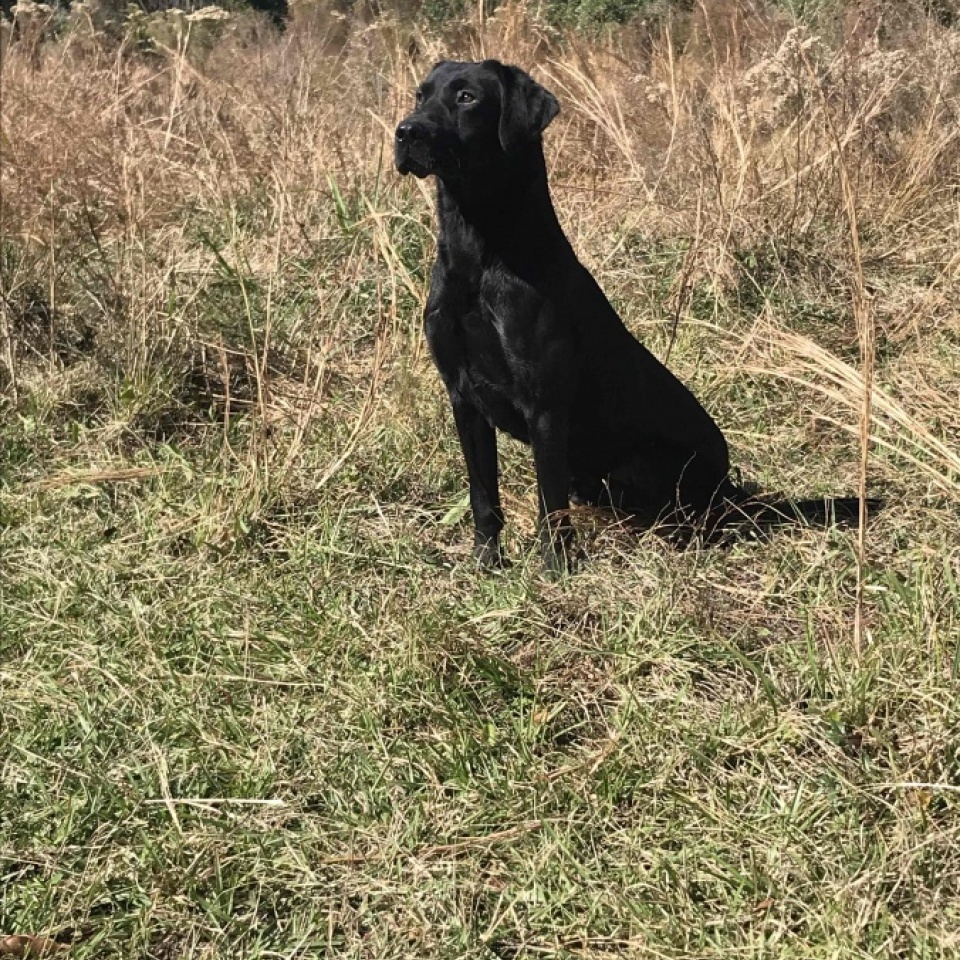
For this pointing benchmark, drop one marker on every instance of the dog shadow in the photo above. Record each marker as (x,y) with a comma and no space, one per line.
(757,518)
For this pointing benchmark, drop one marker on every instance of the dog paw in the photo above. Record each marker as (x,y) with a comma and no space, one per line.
(562,556)
(489,556)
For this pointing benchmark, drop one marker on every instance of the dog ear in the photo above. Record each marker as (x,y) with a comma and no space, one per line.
(526,108)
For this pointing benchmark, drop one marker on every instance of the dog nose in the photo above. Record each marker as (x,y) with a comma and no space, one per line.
(406,132)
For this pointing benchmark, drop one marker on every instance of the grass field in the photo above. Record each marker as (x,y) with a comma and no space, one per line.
(256,701)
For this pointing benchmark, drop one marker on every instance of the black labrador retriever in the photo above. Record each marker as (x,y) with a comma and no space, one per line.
(524,338)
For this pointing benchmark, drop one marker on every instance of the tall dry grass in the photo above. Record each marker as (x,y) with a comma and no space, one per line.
(254,707)
(825,162)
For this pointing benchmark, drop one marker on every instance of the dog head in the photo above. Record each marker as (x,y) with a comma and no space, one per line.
(470,116)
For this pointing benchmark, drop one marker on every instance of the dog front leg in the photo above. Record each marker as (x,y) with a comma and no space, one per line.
(478,440)
(549,439)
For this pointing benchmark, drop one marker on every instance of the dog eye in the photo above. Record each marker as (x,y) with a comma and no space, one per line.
(465,96)
(419,97)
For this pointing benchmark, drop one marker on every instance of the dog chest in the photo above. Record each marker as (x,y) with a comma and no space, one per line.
(481,366)
(483,349)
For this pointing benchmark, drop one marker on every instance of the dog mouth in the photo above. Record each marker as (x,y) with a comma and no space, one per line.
(416,158)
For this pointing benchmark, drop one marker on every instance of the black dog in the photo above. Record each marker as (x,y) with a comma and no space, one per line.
(524,338)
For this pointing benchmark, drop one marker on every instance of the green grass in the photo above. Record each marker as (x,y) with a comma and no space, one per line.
(307,727)
(257,702)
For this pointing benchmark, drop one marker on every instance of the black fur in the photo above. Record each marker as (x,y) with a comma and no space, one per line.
(524,338)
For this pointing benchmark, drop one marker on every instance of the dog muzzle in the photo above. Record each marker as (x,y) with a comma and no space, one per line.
(412,152)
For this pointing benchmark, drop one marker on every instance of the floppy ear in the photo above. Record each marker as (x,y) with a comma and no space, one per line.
(526,108)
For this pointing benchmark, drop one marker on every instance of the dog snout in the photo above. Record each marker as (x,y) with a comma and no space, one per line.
(414,148)
(408,131)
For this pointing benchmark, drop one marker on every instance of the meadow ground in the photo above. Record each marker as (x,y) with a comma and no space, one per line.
(256,702)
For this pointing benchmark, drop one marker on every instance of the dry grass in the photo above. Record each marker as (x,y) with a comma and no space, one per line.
(256,702)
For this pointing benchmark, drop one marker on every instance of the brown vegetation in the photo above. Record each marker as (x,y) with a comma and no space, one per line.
(231,502)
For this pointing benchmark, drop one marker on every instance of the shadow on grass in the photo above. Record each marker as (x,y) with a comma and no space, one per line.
(755,517)
(761,516)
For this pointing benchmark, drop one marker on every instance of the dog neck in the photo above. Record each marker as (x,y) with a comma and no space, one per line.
(506,214)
